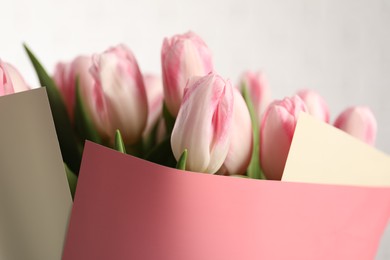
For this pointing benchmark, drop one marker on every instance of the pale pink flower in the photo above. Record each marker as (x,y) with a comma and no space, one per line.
(315,104)
(182,56)
(11,81)
(240,149)
(155,96)
(258,90)
(65,75)
(358,121)
(118,99)
(203,125)
(277,130)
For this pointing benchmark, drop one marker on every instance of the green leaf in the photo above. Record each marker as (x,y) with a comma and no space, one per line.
(254,170)
(119,145)
(83,122)
(72,180)
(181,164)
(168,119)
(70,150)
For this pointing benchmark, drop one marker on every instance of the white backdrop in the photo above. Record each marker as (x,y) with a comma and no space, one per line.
(341,48)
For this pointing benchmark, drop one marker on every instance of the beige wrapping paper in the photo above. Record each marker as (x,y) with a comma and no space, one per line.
(35,200)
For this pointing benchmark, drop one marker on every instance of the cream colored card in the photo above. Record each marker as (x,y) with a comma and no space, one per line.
(320,153)
(35,201)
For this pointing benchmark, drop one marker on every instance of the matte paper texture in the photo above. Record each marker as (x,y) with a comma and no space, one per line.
(127,208)
(35,200)
(320,153)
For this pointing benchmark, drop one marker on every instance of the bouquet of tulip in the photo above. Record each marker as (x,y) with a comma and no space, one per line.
(191,118)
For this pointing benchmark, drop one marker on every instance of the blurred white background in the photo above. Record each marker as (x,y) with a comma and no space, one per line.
(341,48)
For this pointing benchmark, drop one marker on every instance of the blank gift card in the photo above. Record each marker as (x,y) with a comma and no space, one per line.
(35,200)
(321,153)
(128,208)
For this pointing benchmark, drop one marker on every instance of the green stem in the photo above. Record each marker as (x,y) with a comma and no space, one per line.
(254,170)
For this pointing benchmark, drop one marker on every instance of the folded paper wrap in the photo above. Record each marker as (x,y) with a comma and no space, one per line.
(127,208)
(35,200)
(320,153)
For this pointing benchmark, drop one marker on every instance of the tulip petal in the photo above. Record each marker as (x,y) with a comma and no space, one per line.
(258,89)
(277,130)
(315,104)
(360,122)
(120,96)
(182,57)
(203,123)
(6,86)
(18,82)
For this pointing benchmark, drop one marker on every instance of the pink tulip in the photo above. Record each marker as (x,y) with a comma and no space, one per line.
(203,125)
(315,104)
(182,57)
(10,80)
(118,99)
(6,86)
(155,96)
(258,89)
(277,130)
(65,75)
(359,122)
(240,150)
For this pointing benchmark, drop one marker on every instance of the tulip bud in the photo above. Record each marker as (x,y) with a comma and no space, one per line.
(258,90)
(359,122)
(182,57)
(315,104)
(277,130)
(10,80)
(155,96)
(65,75)
(118,98)
(203,125)
(240,149)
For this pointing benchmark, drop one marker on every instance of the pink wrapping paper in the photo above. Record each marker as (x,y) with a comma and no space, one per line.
(127,208)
